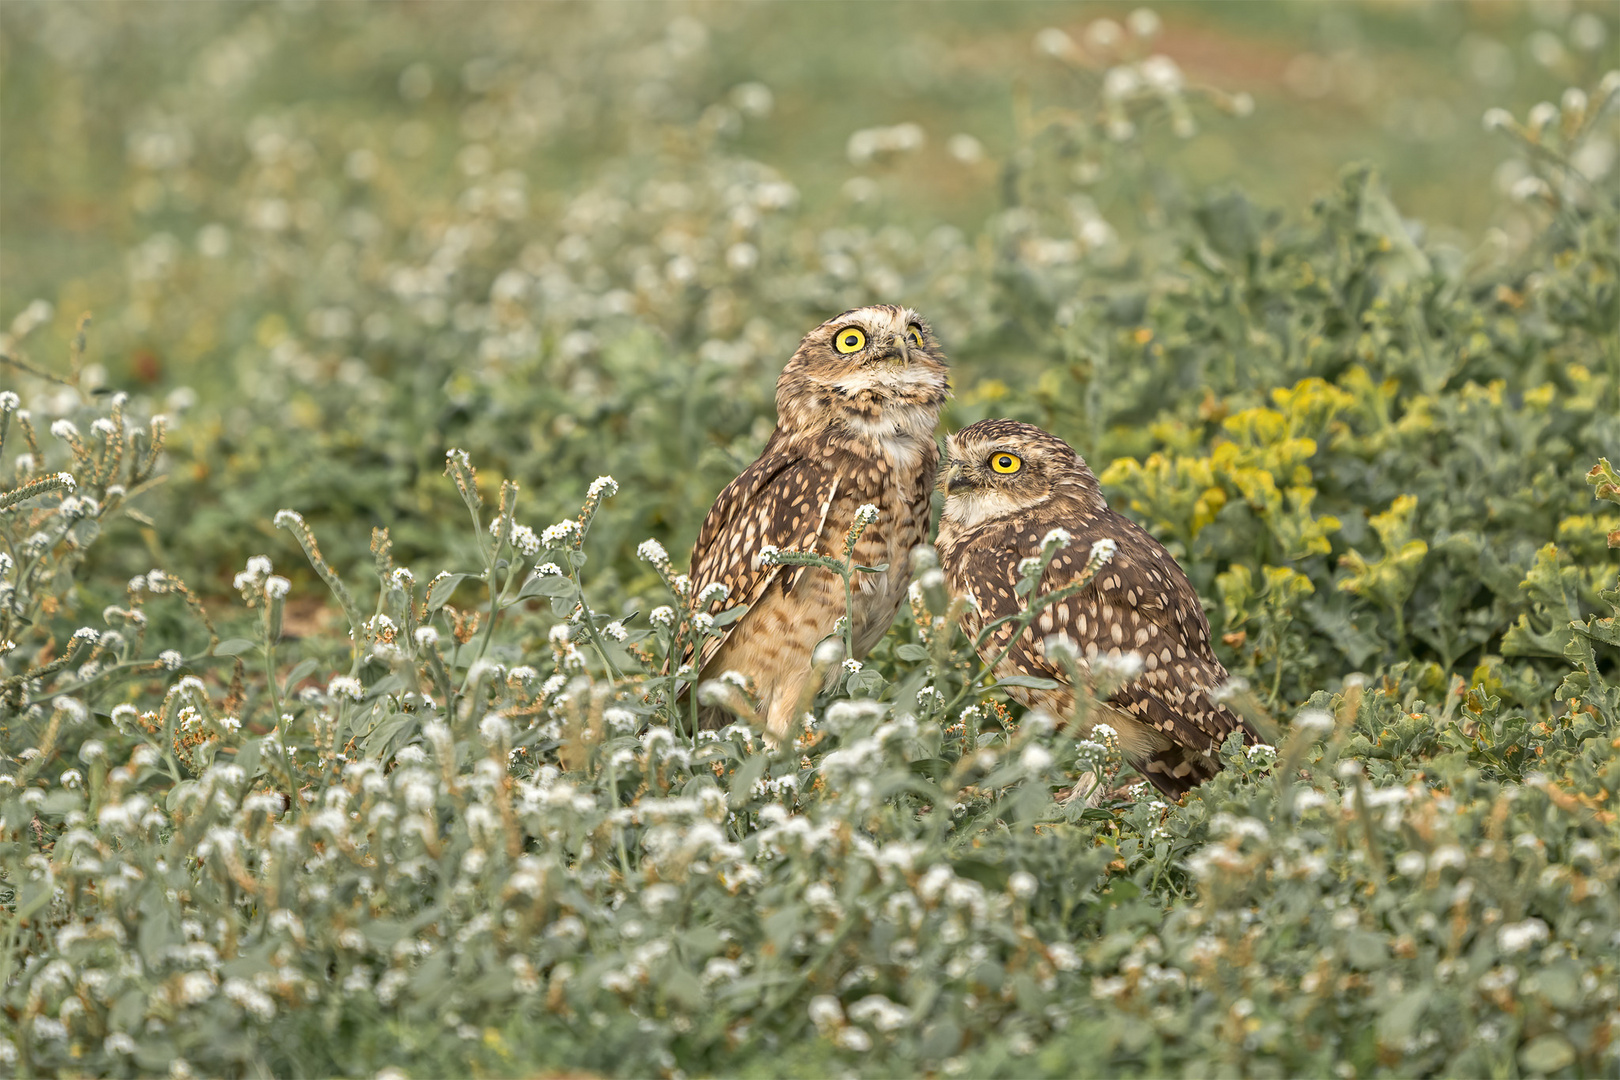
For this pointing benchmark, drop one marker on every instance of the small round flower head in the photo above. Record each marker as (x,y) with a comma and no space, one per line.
(703,622)
(9,401)
(454,456)
(287,518)
(403,579)
(104,427)
(865,514)
(768,554)
(1497,120)
(563,532)
(426,637)
(651,551)
(494,729)
(171,659)
(828,653)
(1056,538)
(1022,884)
(713,593)
(558,635)
(524,541)
(277,587)
(549,569)
(1314,722)
(1104,549)
(1035,758)
(603,487)
(343,686)
(852,665)
(65,429)
(1124,667)
(663,615)
(614,631)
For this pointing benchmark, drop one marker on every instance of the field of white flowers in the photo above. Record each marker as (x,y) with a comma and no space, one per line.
(341,555)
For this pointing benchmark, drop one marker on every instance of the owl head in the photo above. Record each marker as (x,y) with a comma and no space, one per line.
(998,468)
(873,365)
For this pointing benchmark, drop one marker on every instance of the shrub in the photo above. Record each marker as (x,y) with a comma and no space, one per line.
(431,807)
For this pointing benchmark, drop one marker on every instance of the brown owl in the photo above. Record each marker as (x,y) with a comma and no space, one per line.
(1007,486)
(855,413)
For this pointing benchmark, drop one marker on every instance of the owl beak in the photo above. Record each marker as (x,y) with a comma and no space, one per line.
(899,348)
(957,479)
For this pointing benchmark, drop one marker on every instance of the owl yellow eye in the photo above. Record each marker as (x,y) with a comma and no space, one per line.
(914,335)
(848,340)
(1006,463)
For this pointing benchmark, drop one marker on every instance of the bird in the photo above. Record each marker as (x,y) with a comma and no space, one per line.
(856,408)
(1007,486)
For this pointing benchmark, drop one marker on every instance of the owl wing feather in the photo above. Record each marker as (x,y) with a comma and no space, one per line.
(783,500)
(1143,594)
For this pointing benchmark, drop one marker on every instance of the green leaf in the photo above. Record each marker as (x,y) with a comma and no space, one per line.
(1033,682)
(911,653)
(235,646)
(552,585)
(1547,1054)
(443,589)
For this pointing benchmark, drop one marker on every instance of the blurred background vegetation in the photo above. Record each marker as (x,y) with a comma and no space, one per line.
(330,241)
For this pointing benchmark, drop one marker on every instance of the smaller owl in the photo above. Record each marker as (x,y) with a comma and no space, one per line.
(855,413)
(1009,484)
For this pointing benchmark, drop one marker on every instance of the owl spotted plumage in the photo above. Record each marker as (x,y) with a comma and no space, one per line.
(856,408)
(1007,486)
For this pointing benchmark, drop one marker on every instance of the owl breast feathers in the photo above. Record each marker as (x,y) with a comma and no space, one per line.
(856,408)
(1007,486)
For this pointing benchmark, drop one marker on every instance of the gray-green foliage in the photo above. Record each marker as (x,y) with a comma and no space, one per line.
(459,823)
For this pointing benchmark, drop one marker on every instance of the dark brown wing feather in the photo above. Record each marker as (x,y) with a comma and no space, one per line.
(1140,601)
(782,499)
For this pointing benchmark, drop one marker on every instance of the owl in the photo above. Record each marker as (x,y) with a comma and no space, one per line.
(1007,485)
(855,413)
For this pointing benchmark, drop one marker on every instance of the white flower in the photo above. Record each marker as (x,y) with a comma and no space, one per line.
(549,569)
(9,400)
(1022,884)
(171,659)
(345,686)
(651,551)
(852,665)
(1104,549)
(277,587)
(1058,538)
(1035,758)
(65,429)
(865,514)
(603,487)
(664,615)
(494,729)
(713,593)
(767,554)
(286,518)
(882,1013)
(854,1038)
(561,533)
(614,631)
(426,637)
(1517,937)
(524,542)
(703,622)
(1124,667)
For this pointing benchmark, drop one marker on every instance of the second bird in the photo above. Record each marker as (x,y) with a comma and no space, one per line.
(1007,486)
(855,413)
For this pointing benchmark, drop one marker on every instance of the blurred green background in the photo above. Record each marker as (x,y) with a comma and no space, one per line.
(331,240)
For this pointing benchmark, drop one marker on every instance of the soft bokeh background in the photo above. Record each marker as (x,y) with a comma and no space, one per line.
(333,240)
